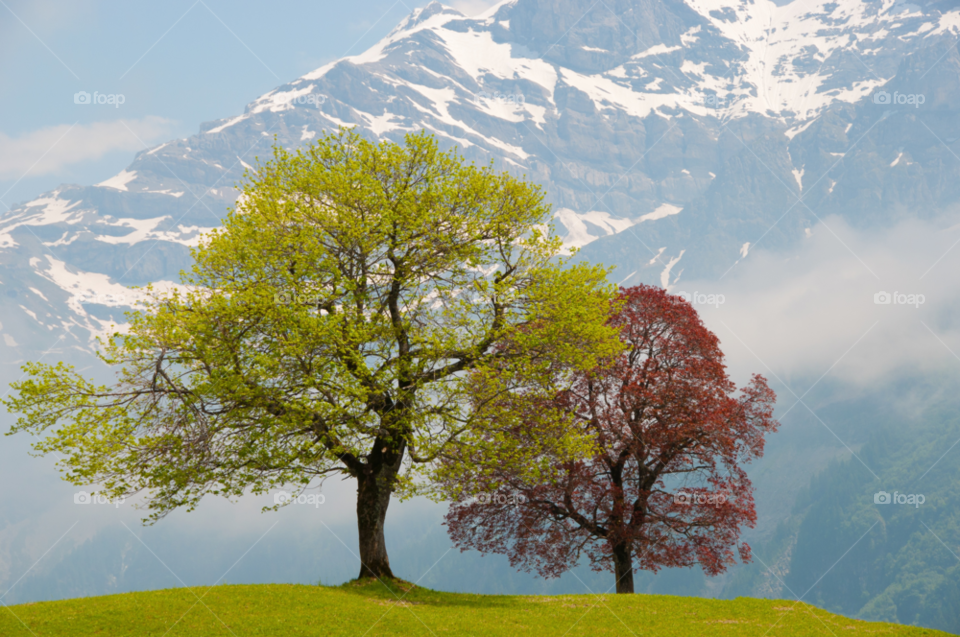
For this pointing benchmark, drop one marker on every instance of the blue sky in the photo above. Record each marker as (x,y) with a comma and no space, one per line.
(176,64)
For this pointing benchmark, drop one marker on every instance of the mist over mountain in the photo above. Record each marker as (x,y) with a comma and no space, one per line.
(795,159)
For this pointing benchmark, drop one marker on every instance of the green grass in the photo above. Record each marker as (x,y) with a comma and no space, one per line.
(370,608)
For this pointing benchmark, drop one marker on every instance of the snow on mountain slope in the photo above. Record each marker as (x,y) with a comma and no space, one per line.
(789,70)
(660,129)
(783,62)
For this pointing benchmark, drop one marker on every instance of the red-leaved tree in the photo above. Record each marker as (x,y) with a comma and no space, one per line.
(662,484)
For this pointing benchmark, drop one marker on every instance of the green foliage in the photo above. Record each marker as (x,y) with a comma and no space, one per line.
(395,607)
(327,325)
(882,562)
(899,570)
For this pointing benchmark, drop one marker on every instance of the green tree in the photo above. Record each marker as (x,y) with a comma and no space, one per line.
(325,329)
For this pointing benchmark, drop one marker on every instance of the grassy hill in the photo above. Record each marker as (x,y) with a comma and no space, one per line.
(370,608)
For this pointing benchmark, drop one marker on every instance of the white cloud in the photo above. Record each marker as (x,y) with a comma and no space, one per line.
(50,149)
(812,311)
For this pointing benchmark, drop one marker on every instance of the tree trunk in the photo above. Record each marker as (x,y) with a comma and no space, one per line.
(623,567)
(373,498)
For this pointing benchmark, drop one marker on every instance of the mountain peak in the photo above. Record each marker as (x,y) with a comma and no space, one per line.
(419,16)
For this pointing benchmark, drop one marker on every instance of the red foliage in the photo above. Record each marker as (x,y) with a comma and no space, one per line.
(665,488)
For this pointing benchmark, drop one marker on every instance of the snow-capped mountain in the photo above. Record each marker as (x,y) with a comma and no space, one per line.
(672,136)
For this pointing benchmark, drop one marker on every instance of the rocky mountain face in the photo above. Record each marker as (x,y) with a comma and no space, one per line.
(673,137)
